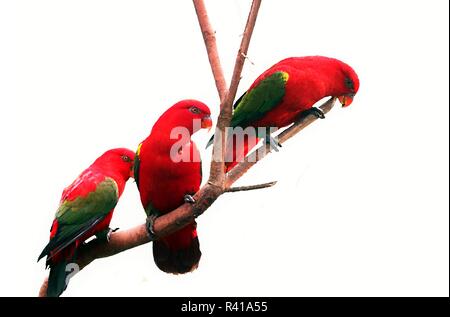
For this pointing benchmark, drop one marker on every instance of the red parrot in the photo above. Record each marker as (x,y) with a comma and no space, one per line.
(85,209)
(167,172)
(285,93)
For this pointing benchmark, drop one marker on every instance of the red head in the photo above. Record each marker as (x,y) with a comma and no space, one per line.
(349,84)
(117,161)
(189,113)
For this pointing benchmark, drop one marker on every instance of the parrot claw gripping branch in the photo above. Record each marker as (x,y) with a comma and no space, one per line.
(220,179)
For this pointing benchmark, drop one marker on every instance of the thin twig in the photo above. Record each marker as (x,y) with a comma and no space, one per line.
(250,187)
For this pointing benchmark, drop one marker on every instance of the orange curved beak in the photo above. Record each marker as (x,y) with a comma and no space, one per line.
(207,123)
(345,100)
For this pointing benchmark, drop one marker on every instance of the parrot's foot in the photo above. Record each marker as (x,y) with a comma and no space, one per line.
(274,144)
(318,113)
(189,199)
(105,235)
(149,223)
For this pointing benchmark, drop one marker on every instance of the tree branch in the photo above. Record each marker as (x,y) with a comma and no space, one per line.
(216,186)
(250,187)
(211,47)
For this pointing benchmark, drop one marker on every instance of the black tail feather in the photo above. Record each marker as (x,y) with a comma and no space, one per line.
(177,261)
(57,279)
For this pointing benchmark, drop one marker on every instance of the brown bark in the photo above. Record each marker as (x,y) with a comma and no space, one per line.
(251,187)
(209,36)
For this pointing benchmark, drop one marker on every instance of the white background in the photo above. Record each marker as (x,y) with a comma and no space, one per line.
(361,207)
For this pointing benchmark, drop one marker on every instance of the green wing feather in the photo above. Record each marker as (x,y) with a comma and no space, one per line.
(97,203)
(255,103)
(260,100)
(77,216)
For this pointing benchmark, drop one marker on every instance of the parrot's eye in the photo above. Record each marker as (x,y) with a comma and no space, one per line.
(195,110)
(349,84)
(126,158)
